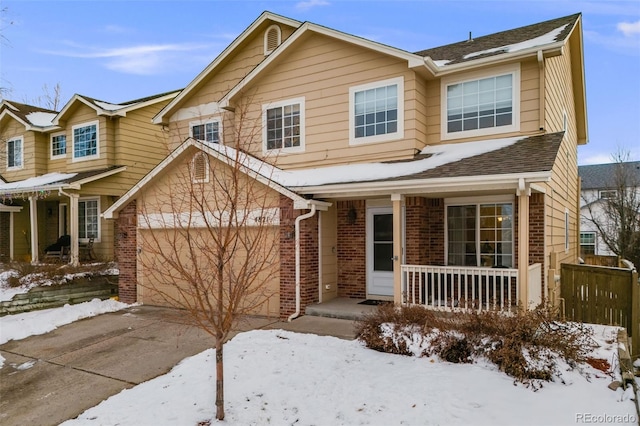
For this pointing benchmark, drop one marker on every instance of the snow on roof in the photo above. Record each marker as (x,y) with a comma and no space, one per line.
(439,155)
(547,38)
(111,107)
(441,62)
(41,119)
(37,181)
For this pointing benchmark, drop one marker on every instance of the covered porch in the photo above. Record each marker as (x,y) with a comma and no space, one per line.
(55,218)
(475,246)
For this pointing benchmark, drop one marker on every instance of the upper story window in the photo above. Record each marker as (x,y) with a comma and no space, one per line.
(376,111)
(209,132)
(272,39)
(85,141)
(481,106)
(15,153)
(283,124)
(200,168)
(608,193)
(58,146)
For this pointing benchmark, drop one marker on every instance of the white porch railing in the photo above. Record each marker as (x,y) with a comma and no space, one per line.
(458,288)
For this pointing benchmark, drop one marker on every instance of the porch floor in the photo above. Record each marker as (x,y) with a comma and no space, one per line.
(340,307)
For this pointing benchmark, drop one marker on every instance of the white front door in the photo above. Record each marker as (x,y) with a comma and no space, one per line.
(380,251)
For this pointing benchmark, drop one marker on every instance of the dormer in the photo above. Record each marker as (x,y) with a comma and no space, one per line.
(272,39)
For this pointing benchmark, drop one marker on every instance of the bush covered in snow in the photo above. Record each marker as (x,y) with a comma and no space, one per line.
(531,346)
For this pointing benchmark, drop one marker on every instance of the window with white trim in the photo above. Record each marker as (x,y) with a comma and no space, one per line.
(85,141)
(58,145)
(15,154)
(482,105)
(283,124)
(587,243)
(200,168)
(208,132)
(607,194)
(376,111)
(88,218)
(480,234)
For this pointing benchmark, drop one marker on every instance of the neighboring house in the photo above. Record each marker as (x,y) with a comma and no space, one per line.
(446,177)
(600,182)
(63,169)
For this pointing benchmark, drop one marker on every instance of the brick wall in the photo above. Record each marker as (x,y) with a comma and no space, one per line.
(416,230)
(536,233)
(4,236)
(308,259)
(352,249)
(126,253)
(435,232)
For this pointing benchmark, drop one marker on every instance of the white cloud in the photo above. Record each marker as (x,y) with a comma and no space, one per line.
(141,60)
(629,28)
(306,5)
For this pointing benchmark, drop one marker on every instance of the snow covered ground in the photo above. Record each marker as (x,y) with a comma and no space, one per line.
(278,377)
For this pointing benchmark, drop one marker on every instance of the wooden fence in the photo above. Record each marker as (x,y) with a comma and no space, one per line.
(602,295)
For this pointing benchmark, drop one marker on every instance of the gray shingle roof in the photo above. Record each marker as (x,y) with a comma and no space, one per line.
(456,52)
(602,176)
(529,155)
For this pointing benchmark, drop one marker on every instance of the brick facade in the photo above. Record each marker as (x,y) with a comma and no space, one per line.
(126,253)
(536,233)
(5,229)
(308,259)
(352,249)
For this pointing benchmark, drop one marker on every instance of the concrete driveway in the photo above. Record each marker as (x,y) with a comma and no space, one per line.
(54,377)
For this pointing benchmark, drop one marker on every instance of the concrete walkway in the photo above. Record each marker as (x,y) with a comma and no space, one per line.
(50,378)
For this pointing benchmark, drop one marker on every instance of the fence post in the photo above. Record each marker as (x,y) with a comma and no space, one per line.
(635,314)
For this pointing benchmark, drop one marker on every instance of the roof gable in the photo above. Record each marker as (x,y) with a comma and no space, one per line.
(251,166)
(109,109)
(299,35)
(264,20)
(31,116)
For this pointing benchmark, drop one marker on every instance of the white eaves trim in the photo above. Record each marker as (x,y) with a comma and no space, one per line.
(412,59)
(442,70)
(161,116)
(27,125)
(421,186)
(107,108)
(220,153)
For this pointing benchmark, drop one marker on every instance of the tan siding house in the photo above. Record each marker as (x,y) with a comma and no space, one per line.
(67,167)
(445,178)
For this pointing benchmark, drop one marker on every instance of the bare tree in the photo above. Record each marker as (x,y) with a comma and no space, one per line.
(50,98)
(617,217)
(208,239)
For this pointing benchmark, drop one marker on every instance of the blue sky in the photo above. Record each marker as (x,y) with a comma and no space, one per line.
(122,50)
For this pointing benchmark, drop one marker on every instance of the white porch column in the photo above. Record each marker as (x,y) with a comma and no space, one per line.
(523,193)
(73,221)
(33,216)
(397,200)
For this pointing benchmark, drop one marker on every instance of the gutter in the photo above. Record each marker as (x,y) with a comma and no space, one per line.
(297,243)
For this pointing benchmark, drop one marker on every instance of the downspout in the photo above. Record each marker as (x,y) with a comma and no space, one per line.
(541,95)
(297,242)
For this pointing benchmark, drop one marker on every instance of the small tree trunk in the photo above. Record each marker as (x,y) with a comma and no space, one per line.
(219,381)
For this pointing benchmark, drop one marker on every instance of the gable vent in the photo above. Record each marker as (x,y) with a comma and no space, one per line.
(272,39)
(200,168)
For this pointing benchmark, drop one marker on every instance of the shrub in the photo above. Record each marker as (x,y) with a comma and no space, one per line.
(526,345)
